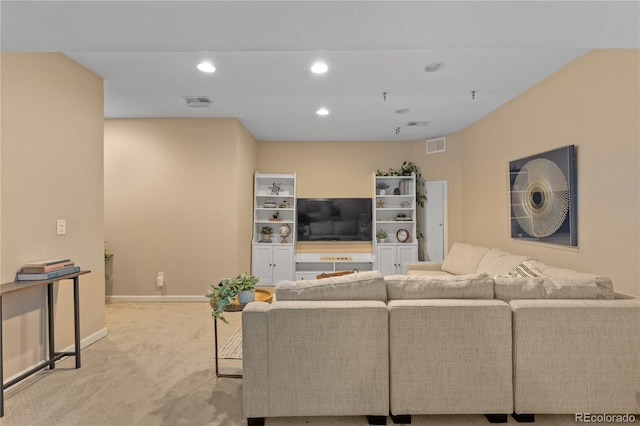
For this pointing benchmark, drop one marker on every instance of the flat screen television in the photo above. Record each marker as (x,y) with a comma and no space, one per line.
(334,219)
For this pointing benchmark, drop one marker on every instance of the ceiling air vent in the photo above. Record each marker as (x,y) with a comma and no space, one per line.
(417,123)
(436,145)
(197,101)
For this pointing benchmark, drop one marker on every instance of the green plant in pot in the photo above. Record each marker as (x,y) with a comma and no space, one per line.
(382,187)
(266,232)
(228,291)
(246,287)
(381,235)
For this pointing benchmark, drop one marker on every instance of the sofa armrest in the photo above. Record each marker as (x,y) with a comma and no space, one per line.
(576,356)
(423,266)
(254,348)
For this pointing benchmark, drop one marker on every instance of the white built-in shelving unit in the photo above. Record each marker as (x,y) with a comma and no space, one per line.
(274,195)
(394,211)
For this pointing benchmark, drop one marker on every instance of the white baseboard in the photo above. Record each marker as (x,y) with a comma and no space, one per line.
(118,299)
(87,341)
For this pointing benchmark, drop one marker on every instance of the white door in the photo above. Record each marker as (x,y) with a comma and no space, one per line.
(435,220)
(282,264)
(386,259)
(261,263)
(404,255)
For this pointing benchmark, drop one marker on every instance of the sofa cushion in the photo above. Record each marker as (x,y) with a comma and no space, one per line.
(471,286)
(497,262)
(508,288)
(604,284)
(463,259)
(367,285)
(571,288)
(427,273)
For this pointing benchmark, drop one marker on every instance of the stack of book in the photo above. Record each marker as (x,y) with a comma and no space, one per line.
(47,269)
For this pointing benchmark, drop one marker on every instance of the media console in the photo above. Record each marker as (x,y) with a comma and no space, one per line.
(309,265)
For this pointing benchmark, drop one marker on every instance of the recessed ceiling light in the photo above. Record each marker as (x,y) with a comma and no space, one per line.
(322,111)
(402,111)
(206,67)
(434,66)
(319,68)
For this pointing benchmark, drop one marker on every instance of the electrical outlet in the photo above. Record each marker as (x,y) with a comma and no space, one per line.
(160,279)
(61,227)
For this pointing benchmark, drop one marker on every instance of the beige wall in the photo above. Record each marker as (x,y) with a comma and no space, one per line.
(51,168)
(593,103)
(178,200)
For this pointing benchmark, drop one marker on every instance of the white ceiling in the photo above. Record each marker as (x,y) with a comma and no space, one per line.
(146,51)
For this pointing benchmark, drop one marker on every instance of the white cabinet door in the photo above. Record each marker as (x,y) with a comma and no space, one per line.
(261,263)
(272,263)
(405,254)
(391,259)
(386,259)
(282,261)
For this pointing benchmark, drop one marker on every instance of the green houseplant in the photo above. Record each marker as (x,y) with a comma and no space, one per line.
(246,285)
(266,232)
(381,235)
(227,291)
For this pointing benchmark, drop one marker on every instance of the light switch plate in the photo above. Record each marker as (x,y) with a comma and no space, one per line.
(61,227)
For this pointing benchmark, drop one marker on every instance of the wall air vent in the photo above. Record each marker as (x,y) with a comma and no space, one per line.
(197,101)
(417,123)
(436,145)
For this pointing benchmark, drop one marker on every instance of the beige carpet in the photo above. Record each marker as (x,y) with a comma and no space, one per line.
(156,367)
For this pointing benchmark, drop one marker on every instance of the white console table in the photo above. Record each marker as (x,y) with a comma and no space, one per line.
(310,265)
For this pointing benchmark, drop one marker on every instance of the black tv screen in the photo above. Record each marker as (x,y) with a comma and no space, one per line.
(334,219)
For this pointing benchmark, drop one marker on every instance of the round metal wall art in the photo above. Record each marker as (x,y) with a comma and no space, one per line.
(540,196)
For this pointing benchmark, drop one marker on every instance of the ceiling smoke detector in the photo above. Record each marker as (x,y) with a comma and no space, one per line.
(197,101)
(417,123)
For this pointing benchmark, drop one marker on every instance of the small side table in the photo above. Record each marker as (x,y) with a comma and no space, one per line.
(261,296)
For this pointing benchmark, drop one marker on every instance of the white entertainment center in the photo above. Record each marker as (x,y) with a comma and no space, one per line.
(276,258)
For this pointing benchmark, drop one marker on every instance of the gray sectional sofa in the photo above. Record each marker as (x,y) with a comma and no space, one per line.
(485,332)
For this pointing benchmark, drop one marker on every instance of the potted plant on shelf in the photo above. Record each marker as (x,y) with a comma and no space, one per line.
(382,187)
(381,235)
(228,291)
(266,232)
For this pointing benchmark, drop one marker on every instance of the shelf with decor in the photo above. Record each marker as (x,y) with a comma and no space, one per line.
(274,227)
(395,235)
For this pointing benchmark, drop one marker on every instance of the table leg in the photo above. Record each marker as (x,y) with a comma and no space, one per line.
(1,370)
(50,321)
(218,374)
(76,320)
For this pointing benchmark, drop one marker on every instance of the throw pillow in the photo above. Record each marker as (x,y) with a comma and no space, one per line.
(508,288)
(498,262)
(367,285)
(463,259)
(472,286)
(526,269)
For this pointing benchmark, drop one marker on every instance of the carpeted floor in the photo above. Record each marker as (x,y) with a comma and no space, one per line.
(156,367)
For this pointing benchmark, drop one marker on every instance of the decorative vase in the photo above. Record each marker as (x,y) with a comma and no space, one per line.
(246,296)
(383,192)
